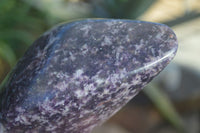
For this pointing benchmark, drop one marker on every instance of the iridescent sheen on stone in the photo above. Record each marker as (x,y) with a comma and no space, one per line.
(79,74)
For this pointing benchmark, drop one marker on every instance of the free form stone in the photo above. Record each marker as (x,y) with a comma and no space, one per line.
(79,74)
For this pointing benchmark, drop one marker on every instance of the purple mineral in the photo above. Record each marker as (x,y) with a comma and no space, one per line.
(79,74)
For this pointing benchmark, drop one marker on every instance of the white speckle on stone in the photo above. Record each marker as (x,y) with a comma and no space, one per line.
(109,23)
(35,117)
(78,73)
(158,36)
(136,80)
(65,59)
(57,51)
(106,91)
(65,111)
(140,46)
(62,75)
(107,41)
(20,109)
(72,57)
(88,87)
(86,29)
(153,51)
(49,82)
(62,102)
(87,121)
(50,128)
(114,78)
(115,31)
(61,85)
(99,81)
(79,93)
(60,123)
(84,49)
(51,41)
(127,38)
(22,119)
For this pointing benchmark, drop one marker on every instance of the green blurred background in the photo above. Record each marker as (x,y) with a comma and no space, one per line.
(171,102)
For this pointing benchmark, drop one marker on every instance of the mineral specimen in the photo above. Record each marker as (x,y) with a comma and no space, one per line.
(79,74)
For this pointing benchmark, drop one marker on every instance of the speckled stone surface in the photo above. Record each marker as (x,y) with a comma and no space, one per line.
(79,74)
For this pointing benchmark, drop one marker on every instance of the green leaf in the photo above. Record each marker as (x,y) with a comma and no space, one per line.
(164,105)
(7,54)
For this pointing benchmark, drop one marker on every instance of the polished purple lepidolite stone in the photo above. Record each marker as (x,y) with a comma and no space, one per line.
(79,74)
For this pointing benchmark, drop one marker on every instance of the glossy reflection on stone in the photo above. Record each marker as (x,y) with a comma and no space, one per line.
(79,74)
